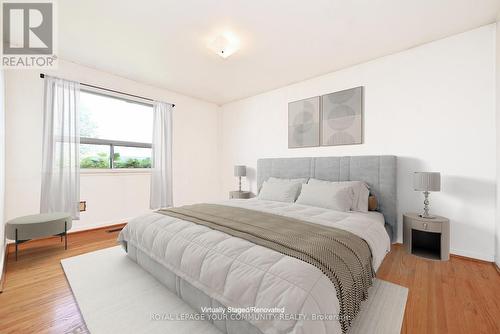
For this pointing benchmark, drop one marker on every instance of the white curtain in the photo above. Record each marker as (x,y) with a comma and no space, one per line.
(61,148)
(161,162)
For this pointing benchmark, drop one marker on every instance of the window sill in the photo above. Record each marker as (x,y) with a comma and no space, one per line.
(116,171)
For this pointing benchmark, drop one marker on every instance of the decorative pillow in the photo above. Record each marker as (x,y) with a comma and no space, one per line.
(279,191)
(360,189)
(372,203)
(301,181)
(329,196)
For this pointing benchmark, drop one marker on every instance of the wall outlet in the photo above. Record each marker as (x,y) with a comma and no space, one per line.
(83,206)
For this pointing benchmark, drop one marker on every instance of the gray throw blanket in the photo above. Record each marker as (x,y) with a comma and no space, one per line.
(342,256)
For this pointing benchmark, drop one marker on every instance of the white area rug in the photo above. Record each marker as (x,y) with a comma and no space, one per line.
(115,295)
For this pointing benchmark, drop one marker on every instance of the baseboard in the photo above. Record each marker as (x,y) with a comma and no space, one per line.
(471,259)
(497,268)
(112,226)
(472,255)
(85,226)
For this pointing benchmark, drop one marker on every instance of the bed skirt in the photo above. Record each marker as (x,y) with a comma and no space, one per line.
(193,296)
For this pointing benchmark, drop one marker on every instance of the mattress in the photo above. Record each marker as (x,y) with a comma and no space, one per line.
(238,274)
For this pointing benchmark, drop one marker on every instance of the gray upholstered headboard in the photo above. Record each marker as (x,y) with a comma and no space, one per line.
(379,171)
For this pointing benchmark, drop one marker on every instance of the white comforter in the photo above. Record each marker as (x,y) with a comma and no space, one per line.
(239,273)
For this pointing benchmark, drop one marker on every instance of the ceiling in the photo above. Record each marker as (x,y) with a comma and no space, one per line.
(164,42)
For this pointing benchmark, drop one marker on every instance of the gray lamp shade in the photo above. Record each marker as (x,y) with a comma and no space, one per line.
(427,181)
(240,170)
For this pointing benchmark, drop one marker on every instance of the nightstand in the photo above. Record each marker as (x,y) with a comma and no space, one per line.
(239,194)
(427,237)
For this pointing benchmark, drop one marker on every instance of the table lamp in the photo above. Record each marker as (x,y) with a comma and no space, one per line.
(426,182)
(240,171)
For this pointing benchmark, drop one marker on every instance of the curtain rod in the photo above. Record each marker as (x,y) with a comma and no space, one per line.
(42,75)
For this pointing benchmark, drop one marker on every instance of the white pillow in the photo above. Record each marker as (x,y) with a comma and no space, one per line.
(301,181)
(279,191)
(328,196)
(360,189)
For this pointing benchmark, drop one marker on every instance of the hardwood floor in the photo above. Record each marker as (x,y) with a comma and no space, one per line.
(457,296)
(36,297)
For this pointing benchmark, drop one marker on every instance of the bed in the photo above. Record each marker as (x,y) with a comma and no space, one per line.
(218,272)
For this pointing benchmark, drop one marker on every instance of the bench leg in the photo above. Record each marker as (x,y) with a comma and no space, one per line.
(16,244)
(65,235)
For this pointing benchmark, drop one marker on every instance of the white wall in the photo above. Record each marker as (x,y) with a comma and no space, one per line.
(497,234)
(110,197)
(2,171)
(433,106)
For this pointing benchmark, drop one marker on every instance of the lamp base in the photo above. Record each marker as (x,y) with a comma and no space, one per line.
(426,214)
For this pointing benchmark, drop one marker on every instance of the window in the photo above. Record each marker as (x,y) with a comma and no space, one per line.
(114,132)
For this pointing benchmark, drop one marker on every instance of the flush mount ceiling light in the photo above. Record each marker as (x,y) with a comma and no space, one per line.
(225,44)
